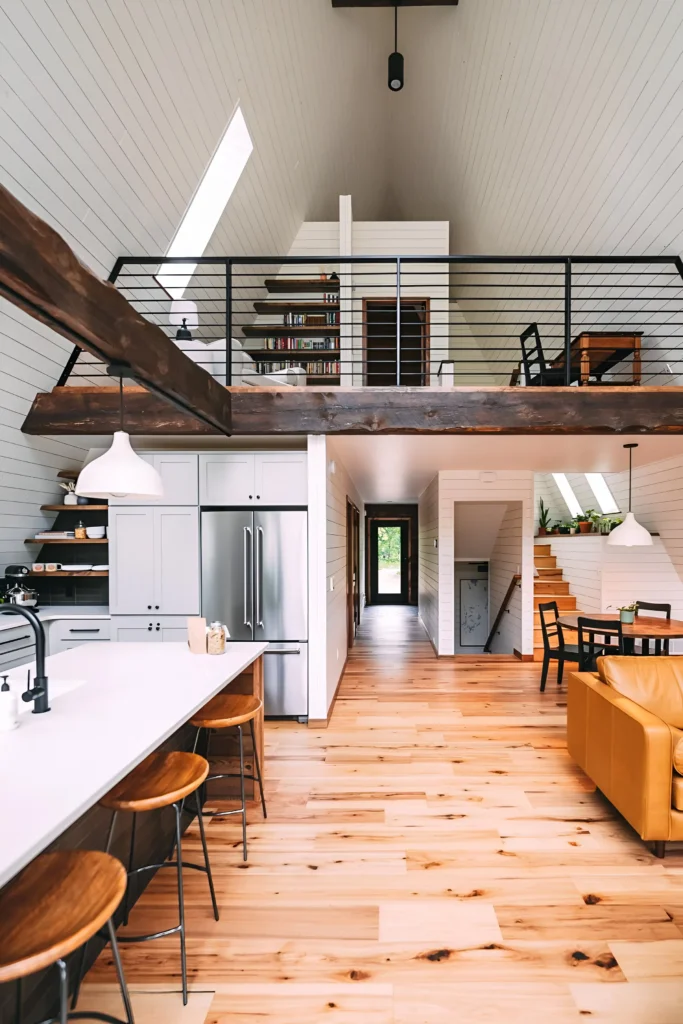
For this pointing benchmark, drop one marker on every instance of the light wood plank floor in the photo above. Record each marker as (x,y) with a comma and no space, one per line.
(434,855)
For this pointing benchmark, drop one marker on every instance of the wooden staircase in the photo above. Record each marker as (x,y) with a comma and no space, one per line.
(549,585)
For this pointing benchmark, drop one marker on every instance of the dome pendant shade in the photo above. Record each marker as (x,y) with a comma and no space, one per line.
(630,534)
(119,473)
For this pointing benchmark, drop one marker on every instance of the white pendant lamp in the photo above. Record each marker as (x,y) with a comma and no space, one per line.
(630,534)
(119,473)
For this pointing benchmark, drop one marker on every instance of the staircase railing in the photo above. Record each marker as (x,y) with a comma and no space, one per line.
(514,582)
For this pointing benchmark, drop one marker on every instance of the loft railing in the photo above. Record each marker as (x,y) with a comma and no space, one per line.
(412,321)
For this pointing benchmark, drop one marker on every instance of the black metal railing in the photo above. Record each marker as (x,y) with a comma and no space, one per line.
(412,321)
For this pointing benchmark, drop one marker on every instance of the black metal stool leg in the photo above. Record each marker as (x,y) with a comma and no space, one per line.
(244,802)
(200,819)
(131,858)
(181,901)
(258,768)
(17,1012)
(84,953)
(63,993)
(119,972)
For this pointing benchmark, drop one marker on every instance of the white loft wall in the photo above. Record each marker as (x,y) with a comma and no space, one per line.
(580,559)
(110,113)
(428,561)
(506,561)
(339,487)
(466,485)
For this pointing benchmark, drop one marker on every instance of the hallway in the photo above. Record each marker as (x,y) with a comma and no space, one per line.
(433,855)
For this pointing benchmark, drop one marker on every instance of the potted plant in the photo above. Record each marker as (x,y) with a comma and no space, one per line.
(573,527)
(627,613)
(543,519)
(584,523)
(613,523)
(565,528)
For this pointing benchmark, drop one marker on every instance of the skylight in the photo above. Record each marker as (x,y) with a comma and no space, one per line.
(603,495)
(207,204)
(567,492)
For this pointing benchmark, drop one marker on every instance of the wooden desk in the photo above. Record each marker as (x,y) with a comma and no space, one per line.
(594,353)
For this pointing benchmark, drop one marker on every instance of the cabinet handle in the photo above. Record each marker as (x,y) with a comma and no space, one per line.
(15,640)
(158,627)
(280,653)
(156,607)
(149,628)
(84,630)
(149,607)
(251,496)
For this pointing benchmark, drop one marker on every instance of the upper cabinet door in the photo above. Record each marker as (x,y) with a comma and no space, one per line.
(131,561)
(226,478)
(179,475)
(176,561)
(281,478)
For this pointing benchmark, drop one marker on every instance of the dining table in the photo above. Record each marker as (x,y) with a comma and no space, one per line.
(644,627)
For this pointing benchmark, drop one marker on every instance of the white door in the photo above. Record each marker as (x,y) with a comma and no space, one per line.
(226,478)
(281,478)
(471,607)
(176,560)
(131,560)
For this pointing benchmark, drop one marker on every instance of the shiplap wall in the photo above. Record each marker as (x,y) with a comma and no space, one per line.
(580,559)
(428,564)
(109,115)
(466,485)
(506,561)
(339,487)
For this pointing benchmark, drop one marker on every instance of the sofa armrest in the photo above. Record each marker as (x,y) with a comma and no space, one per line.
(624,749)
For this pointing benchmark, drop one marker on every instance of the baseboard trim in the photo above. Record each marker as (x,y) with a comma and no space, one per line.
(522,657)
(322,723)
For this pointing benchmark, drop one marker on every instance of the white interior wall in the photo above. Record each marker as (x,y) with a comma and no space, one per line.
(500,486)
(475,529)
(428,591)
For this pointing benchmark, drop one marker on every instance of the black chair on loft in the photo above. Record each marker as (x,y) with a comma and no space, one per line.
(660,609)
(554,647)
(536,371)
(591,649)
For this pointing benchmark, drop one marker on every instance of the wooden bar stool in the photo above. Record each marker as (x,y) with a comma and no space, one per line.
(227,711)
(51,909)
(163,779)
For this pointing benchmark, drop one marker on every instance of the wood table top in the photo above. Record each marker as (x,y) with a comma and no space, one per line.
(645,626)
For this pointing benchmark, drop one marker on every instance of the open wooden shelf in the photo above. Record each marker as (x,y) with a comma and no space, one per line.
(68,474)
(61,572)
(278,355)
(296,307)
(278,331)
(69,540)
(74,508)
(300,284)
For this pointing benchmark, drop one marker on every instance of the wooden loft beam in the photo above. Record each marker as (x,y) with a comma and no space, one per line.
(40,274)
(591,410)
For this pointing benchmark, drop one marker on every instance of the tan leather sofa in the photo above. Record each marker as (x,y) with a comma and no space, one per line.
(625,729)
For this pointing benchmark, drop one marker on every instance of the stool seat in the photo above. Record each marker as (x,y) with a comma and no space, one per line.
(163,778)
(55,905)
(225,710)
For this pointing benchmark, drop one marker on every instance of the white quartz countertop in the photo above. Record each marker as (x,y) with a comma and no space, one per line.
(51,613)
(111,705)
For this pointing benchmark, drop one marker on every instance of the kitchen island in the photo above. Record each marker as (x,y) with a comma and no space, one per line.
(111,705)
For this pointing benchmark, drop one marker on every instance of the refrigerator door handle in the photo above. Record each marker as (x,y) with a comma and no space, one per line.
(280,653)
(248,542)
(258,574)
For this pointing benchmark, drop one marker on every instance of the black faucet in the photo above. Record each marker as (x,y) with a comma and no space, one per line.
(38,692)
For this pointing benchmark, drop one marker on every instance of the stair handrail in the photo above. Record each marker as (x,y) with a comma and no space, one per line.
(516,579)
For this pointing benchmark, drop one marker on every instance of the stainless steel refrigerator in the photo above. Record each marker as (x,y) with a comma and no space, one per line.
(255,580)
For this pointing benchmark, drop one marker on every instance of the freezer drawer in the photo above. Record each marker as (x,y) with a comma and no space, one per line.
(285,680)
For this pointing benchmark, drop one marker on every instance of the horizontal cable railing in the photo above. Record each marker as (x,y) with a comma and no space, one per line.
(412,321)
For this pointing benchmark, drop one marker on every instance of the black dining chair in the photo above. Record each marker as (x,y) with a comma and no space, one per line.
(554,647)
(590,649)
(663,609)
(536,371)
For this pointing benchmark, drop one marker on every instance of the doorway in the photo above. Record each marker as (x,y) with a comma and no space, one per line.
(471,607)
(379,349)
(352,571)
(391,564)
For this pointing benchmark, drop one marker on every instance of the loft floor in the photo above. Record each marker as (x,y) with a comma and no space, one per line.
(433,855)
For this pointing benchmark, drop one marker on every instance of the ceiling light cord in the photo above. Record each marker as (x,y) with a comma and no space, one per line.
(395,27)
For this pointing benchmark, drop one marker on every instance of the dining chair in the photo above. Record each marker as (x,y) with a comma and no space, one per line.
(558,651)
(664,609)
(590,649)
(536,371)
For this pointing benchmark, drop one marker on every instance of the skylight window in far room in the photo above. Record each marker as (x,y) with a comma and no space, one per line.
(603,495)
(207,204)
(567,492)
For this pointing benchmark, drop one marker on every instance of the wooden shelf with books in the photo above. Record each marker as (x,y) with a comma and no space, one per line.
(300,354)
(279,285)
(272,308)
(290,330)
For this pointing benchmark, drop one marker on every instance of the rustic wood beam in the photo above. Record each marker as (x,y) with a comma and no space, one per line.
(41,274)
(591,410)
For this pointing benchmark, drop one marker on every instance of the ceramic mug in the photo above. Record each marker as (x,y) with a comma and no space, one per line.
(53,566)
(38,567)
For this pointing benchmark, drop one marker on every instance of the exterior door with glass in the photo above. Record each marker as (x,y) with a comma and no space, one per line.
(389,539)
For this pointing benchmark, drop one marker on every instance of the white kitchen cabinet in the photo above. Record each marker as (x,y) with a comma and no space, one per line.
(63,634)
(253,479)
(179,476)
(141,629)
(154,560)
(17,646)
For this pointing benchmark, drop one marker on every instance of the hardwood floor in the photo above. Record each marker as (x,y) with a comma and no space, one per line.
(434,855)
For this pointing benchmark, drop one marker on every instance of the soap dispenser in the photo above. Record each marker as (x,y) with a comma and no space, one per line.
(9,708)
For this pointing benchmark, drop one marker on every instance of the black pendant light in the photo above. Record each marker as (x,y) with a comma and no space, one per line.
(183,333)
(395,60)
